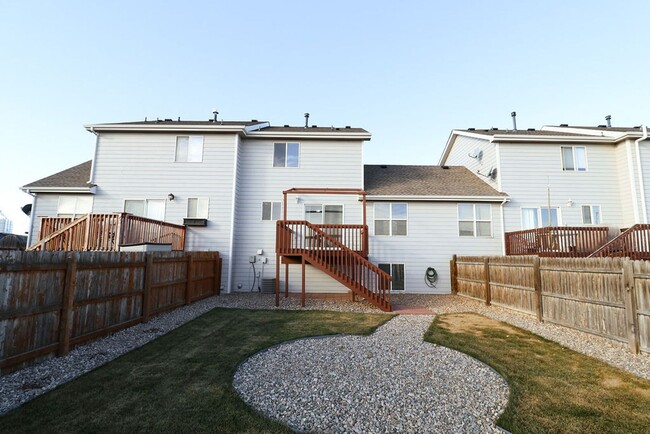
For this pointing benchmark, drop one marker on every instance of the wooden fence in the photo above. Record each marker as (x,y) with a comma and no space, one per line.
(609,297)
(50,301)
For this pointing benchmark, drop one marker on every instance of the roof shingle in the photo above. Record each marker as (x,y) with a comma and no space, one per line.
(392,180)
(76,176)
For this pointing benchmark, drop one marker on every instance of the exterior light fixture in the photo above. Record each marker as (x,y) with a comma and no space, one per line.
(171,197)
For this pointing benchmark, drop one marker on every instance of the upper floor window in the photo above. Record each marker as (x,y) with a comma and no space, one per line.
(271,210)
(391,218)
(74,206)
(474,220)
(591,215)
(149,208)
(197,207)
(532,218)
(574,158)
(324,214)
(286,154)
(189,149)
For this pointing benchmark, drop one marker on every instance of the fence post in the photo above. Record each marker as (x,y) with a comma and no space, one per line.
(632,325)
(537,277)
(146,292)
(454,275)
(67,303)
(188,282)
(216,282)
(486,274)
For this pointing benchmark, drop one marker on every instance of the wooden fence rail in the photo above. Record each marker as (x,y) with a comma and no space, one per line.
(51,301)
(608,297)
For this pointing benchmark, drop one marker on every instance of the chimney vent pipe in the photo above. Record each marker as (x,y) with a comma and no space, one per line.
(306,120)
(608,118)
(514,120)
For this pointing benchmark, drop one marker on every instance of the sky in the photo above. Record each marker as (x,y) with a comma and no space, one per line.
(409,71)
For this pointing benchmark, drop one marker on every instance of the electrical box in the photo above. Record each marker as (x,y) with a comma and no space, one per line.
(252,259)
(260,252)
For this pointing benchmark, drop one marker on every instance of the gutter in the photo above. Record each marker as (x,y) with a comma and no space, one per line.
(233,210)
(640,170)
(407,198)
(92,163)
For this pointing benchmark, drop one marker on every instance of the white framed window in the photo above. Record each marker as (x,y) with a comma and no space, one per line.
(396,272)
(286,154)
(474,220)
(72,206)
(324,214)
(574,158)
(149,208)
(271,210)
(189,149)
(197,207)
(391,219)
(532,218)
(591,215)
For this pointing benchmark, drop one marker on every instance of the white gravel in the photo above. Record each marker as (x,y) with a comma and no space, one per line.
(391,381)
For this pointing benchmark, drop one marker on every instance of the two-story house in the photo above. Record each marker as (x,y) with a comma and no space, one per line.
(230,176)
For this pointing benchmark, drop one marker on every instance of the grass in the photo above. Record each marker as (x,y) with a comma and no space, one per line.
(180,382)
(552,389)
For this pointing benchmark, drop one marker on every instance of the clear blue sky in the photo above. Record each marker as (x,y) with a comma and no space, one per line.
(407,71)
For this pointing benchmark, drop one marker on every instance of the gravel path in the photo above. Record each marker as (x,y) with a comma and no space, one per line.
(391,381)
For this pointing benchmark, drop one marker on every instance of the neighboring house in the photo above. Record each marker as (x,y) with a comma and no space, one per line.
(231,175)
(591,176)
(6,225)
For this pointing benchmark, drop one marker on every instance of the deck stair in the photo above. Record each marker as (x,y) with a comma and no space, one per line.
(633,243)
(338,250)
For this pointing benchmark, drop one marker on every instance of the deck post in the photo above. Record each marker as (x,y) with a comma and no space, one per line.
(303,282)
(286,280)
(284,208)
(486,276)
(277,280)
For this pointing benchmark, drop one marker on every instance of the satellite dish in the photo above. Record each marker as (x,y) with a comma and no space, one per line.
(476,153)
(27,209)
(492,174)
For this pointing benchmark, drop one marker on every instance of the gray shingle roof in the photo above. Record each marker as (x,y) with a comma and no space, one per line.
(604,128)
(314,129)
(76,176)
(391,180)
(176,122)
(494,132)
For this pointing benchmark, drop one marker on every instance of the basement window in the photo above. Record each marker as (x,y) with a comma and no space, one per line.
(396,271)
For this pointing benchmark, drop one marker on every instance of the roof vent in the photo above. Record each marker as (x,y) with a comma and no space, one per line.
(254,120)
(564,125)
(286,125)
(158,120)
(608,118)
(495,129)
(169,120)
(306,120)
(444,167)
(602,126)
(514,120)
(314,126)
(471,129)
(383,166)
(347,126)
(179,119)
(531,129)
(215,113)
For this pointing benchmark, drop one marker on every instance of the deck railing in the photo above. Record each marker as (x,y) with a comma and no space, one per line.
(556,241)
(354,237)
(318,247)
(633,243)
(106,232)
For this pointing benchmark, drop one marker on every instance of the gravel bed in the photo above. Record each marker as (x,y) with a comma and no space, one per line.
(391,381)
(609,351)
(26,384)
(254,300)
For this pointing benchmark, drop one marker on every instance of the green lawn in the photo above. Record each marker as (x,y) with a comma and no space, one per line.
(553,389)
(180,382)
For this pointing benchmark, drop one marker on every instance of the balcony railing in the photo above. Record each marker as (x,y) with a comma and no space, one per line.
(556,241)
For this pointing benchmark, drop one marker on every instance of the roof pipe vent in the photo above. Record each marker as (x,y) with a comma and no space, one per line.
(215,113)
(306,120)
(564,125)
(514,120)
(608,118)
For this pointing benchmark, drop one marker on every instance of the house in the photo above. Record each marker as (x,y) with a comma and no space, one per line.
(228,182)
(560,175)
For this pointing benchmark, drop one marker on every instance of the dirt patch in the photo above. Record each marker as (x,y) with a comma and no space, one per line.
(611,382)
(474,324)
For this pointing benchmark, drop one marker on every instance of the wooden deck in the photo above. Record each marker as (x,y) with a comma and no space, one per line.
(556,241)
(105,233)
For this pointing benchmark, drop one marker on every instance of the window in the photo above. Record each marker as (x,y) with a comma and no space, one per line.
(197,208)
(391,219)
(591,215)
(271,210)
(532,218)
(474,220)
(286,154)
(574,158)
(396,271)
(74,206)
(324,214)
(189,149)
(150,208)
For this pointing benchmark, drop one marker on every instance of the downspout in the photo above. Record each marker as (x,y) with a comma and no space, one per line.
(92,163)
(644,217)
(503,228)
(630,166)
(30,235)
(232,219)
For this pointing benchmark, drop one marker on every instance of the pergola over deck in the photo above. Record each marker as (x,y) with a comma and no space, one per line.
(356,191)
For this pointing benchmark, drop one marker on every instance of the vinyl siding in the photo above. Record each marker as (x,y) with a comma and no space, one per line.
(142,166)
(465,146)
(527,169)
(323,164)
(45,205)
(431,241)
(625,189)
(644,149)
